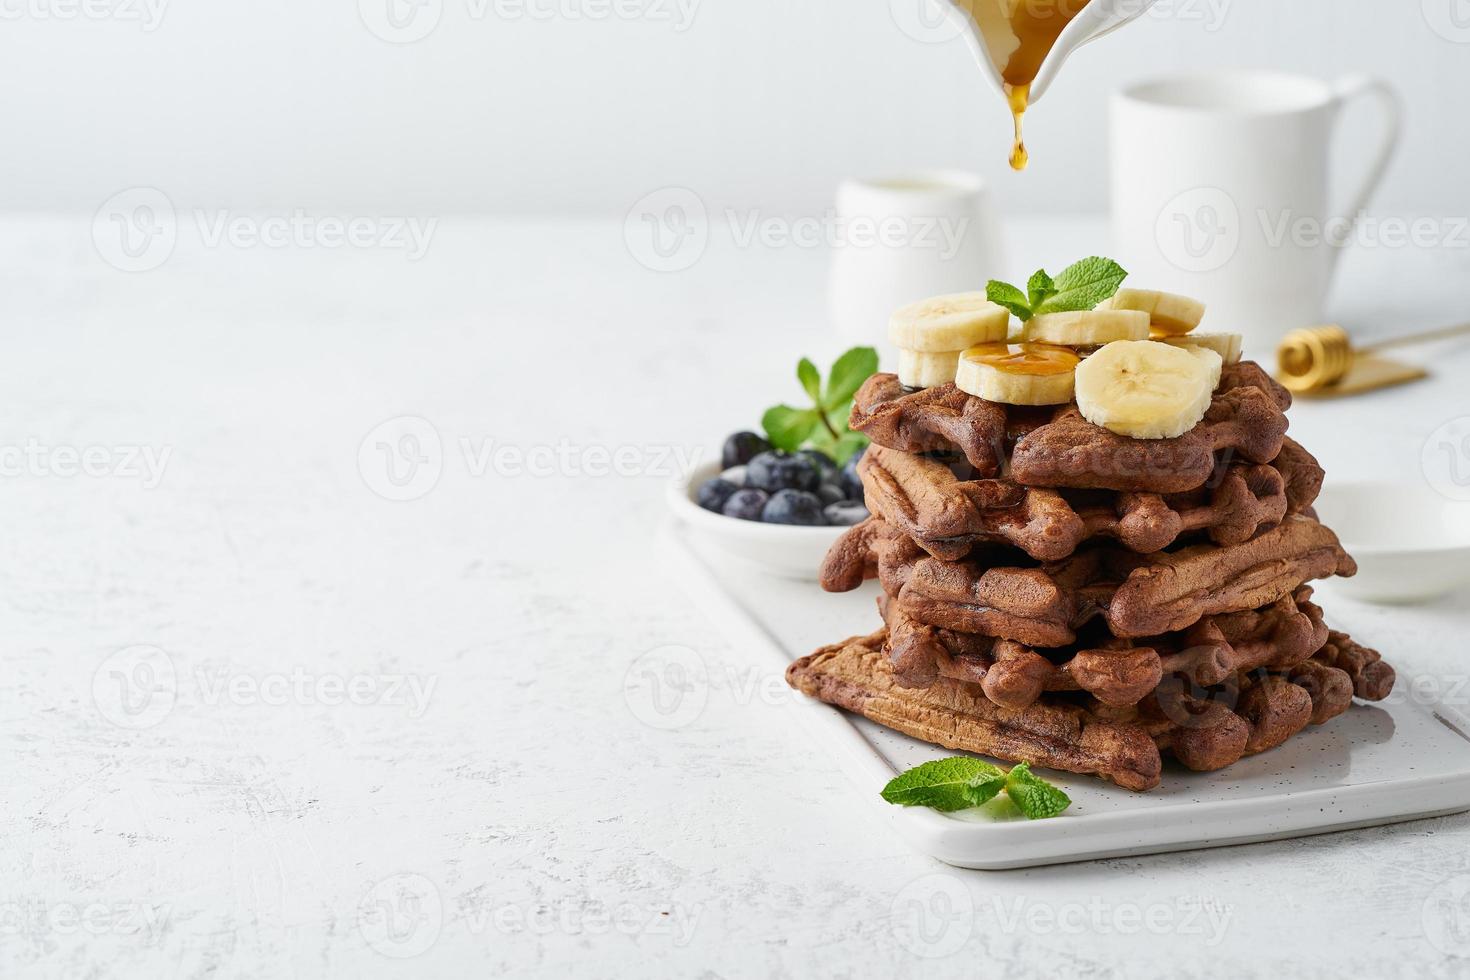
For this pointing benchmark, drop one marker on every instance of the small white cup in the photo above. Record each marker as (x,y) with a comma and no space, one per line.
(1219,191)
(904,239)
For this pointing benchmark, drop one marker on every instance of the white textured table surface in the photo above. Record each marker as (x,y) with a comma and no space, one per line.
(396,741)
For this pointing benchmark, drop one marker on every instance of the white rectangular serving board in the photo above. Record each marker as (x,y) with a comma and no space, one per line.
(1375,764)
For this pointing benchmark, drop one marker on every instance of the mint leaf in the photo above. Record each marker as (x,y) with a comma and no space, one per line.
(840,443)
(822,439)
(1082,285)
(849,444)
(984,790)
(848,374)
(1039,288)
(810,378)
(1034,796)
(1004,294)
(787,428)
(944,784)
(962,782)
(824,425)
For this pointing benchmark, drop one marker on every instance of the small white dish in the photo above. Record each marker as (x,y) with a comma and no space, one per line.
(780,549)
(1411,543)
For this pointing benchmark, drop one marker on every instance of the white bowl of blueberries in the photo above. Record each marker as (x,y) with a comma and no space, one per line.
(779,510)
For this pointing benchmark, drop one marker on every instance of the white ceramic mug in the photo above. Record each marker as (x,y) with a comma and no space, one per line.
(1219,191)
(906,238)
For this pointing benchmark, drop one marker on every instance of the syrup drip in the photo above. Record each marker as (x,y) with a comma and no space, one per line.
(1018,36)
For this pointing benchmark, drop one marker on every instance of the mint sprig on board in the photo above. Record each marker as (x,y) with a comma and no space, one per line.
(823,425)
(961,782)
(1080,286)
(946,784)
(1034,796)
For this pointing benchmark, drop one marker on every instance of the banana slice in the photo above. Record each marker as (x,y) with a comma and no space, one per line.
(1169,314)
(1018,374)
(1227,345)
(1214,364)
(1086,328)
(918,369)
(948,323)
(1144,389)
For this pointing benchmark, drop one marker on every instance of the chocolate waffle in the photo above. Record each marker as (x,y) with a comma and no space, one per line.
(1203,730)
(1372,678)
(1115,672)
(1059,448)
(1043,605)
(870,549)
(947,515)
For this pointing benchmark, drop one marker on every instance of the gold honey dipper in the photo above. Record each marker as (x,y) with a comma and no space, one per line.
(1316,359)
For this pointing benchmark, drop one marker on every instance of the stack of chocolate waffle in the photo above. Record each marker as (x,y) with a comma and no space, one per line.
(1059,594)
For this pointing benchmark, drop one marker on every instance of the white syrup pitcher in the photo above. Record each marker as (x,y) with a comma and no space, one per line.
(1021,44)
(1097,18)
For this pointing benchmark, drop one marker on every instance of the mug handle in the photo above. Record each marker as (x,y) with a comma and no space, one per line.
(1344,90)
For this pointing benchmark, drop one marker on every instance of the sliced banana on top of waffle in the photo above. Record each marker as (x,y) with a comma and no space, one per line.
(1145,389)
(948,324)
(925,369)
(1227,345)
(1018,374)
(1169,313)
(1085,328)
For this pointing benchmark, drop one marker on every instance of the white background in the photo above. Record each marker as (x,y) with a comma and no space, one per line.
(267,833)
(558,106)
(266,836)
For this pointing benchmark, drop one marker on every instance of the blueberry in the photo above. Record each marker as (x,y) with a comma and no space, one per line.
(845,512)
(776,470)
(713,493)
(735,475)
(746,504)
(826,467)
(740,447)
(793,507)
(831,493)
(850,478)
